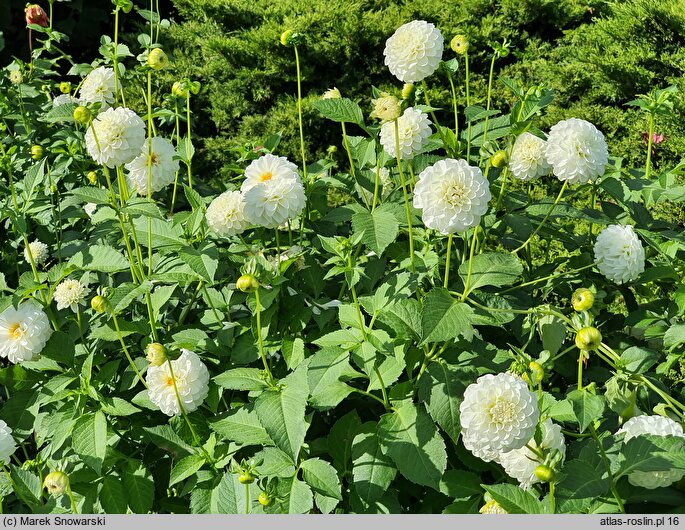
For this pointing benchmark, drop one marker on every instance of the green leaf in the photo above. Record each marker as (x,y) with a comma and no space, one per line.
(140,489)
(89,439)
(186,467)
(638,360)
(34,178)
(242,379)
(587,407)
(373,471)
(326,372)
(459,484)
(582,480)
(293,352)
(340,440)
(164,234)
(652,453)
(340,110)
(229,496)
(515,500)
(282,413)
(241,426)
(297,495)
(26,485)
(491,268)
(164,437)
(321,477)
(674,336)
(113,495)
(408,435)
(203,262)
(91,194)
(123,299)
(100,258)
(553,332)
(443,318)
(380,228)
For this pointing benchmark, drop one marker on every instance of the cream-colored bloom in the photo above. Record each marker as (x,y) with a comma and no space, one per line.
(98,87)
(63,99)
(386,108)
(273,202)
(577,151)
(226,214)
(498,414)
(452,195)
(70,293)
(331,93)
(192,383)
(658,426)
(413,128)
(619,255)
(527,160)
(39,252)
(7,446)
(115,137)
(23,332)
(414,51)
(163,167)
(268,168)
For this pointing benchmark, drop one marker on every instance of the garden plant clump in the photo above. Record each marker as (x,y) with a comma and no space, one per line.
(408,328)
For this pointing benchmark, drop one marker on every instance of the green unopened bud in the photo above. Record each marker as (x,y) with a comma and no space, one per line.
(157,59)
(195,87)
(588,339)
(247,283)
(460,44)
(179,90)
(265,499)
(386,108)
(332,149)
(92,177)
(99,304)
(582,299)
(82,115)
(537,372)
(36,152)
(285,37)
(331,93)
(408,91)
(544,473)
(65,87)
(246,478)
(56,483)
(155,353)
(499,159)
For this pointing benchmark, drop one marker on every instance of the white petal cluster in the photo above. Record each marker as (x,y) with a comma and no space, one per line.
(163,167)
(527,160)
(452,195)
(70,293)
(383,180)
(268,168)
(492,507)
(63,99)
(619,254)
(39,252)
(115,137)
(192,383)
(98,87)
(521,463)
(414,51)
(7,446)
(226,214)
(23,332)
(498,414)
(577,151)
(413,128)
(90,208)
(659,426)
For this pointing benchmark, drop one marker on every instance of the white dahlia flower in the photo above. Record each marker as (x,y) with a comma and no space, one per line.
(62,99)
(383,180)
(413,127)
(576,150)
(268,168)
(659,426)
(499,413)
(39,251)
(192,383)
(70,293)
(521,463)
(98,87)
(619,254)
(90,208)
(452,195)
(527,160)
(271,203)
(163,167)
(226,214)
(23,332)
(7,446)
(115,137)
(414,51)
(492,507)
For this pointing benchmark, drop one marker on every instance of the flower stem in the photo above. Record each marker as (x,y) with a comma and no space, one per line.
(149,165)
(550,277)
(406,196)
(454,106)
(123,346)
(554,205)
(648,164)
(178,141)
(247,499)
(258,310)
(71,499)
(605,460)
(468,274)
(489,97)
(580,369)
(188,143)
(375,187)
(434,118)
(299,112)
(115,54)
(447,261)
(468,104)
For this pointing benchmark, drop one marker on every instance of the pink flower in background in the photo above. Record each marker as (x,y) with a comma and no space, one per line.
(36,15)
(656,139)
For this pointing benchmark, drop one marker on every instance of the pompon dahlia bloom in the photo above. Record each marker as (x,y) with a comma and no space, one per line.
(527,160)
(115,137)
(63,99)
(70,293)
(192,382)
(226,214)
(39,252)
(98,87)
(658,426)
(498,414)
(452,195)
(7,446)
(163,168)
(577,151)
(413,128)
(619,254)
(23,332)
(268,168)
(271,203)
(521,463)
(414,51)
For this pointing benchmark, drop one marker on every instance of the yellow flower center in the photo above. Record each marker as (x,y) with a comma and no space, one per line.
(169,381)
(265,176)
(15,331)
(501,412)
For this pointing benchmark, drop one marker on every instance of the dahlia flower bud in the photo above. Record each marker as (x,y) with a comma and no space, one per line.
(285,37)
(178,90)
(386,108)
(291,38)
(499,159)
(246,478)
(331,149)
(36,152)
(582,299)
(157,59)
(35,14)
(408,91)
(56,483)
(82,115)
(331,93)
(99,304)
(195,88)
(537,371)
(65,87)
(247,283)
(544,473)
(125,5)
(459,44)
(588,338)
(92,177)
(265,499)
(155,353)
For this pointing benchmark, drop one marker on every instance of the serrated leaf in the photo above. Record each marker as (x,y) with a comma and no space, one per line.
(674,336)
(242,426)
(204,262)
(229,496)
(89,439)
(515,500)
(587,407)
(34,178)
(241,379)
(340,110)
(100,258)
(321,477)
(298,496)
(185,467)
(373,471)
(652,453)
(443,318)
(293,352)
(638,360)
(113,496)
(327,370)
(379,228)
(491,268)
(91,194)
(26,485)
(140,489)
